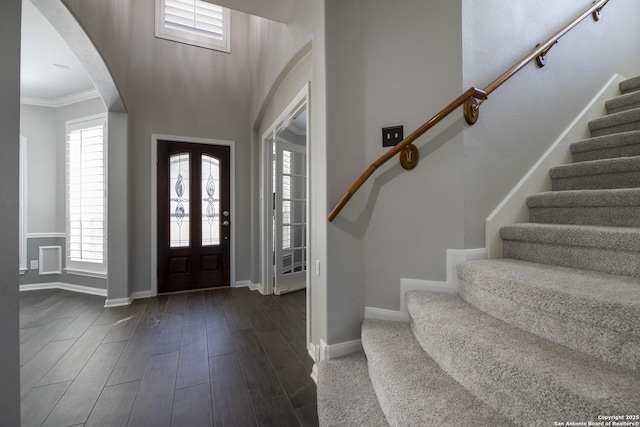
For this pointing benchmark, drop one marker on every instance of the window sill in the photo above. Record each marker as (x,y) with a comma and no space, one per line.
(87,273)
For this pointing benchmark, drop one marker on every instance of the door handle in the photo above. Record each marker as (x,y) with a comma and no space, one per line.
(225,213)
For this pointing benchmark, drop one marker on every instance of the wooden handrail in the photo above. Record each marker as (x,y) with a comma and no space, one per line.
(469,100)
(470,93)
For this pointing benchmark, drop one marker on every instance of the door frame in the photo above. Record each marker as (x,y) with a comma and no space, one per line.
(154,201)
(299,102)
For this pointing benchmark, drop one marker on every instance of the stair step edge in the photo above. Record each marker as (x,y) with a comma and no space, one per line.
(624,102)
(527,377)
(615,119)
(607,141)
(603,237)
(580,316)
(411,387)
(345,393)
(576,294)
(630,84)
(614,197)
(596,167)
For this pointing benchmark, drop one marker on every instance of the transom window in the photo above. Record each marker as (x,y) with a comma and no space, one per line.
(193,22)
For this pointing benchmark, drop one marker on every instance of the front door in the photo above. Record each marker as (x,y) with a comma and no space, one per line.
(193,216)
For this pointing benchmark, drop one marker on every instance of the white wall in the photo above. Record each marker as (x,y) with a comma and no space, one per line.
(45,130)
(523,117)
(175,89)
(38,125)
(9,161)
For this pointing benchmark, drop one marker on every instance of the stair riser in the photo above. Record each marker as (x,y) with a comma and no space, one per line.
(616,129)
(485,375)
(411,387)
(624,263)
(624,102)
(594,340)
(627,216)
(630,85)
(621,108)
(629,179)
(608,153)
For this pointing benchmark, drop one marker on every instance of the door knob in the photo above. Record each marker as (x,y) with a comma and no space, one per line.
(225,213)
(225,223)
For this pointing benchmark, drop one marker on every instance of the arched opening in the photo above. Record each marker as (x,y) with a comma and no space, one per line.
(115,170)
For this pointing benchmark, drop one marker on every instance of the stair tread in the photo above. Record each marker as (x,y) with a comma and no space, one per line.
(624,101)
(575,294)
(345,395)
(617,238)
(596,167)
(615,119)
(411,387)
(630,85)
(586,198)
(521,374)
(621,139)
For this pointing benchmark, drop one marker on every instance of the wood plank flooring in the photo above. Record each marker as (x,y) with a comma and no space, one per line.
(225,357)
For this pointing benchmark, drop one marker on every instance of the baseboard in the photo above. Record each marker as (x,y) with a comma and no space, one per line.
(65,286)
(454,257)
(457,256)
(513,208)
(340,349)
(143,294)
(117,302)
(314,373)
(243,284)
(314,352)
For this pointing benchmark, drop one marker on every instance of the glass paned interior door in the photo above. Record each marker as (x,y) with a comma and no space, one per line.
(210,184)
(290,184)
(179,185)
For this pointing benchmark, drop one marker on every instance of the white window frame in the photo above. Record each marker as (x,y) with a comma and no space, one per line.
(85,268)
(22,245)
(193,38)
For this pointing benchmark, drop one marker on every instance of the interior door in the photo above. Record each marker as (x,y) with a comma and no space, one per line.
(290,213)
(193,216)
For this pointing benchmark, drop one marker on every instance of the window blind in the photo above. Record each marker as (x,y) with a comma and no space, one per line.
(193,22)
(86,192)
(195,16)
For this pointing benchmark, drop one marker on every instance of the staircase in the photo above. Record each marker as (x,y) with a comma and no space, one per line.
(549,334)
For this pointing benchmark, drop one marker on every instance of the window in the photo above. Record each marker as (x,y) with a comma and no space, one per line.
(194,22)
(86,201)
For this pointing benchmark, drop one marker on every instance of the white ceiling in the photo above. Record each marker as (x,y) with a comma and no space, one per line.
(49,68)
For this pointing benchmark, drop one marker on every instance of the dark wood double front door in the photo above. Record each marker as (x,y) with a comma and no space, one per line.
(194,221)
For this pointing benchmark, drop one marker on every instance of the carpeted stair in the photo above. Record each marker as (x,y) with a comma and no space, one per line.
(548,334)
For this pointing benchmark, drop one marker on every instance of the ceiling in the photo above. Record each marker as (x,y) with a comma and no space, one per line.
(50,71)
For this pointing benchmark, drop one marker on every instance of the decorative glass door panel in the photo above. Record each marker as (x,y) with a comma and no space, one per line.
(179,185)
(210,177)
(193,216)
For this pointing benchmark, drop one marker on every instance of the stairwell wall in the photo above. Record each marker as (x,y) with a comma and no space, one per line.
(523,117)
(390,64)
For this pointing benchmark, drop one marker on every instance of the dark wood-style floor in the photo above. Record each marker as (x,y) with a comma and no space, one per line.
(226,357)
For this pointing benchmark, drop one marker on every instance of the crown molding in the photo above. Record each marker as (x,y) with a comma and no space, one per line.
(61,101)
